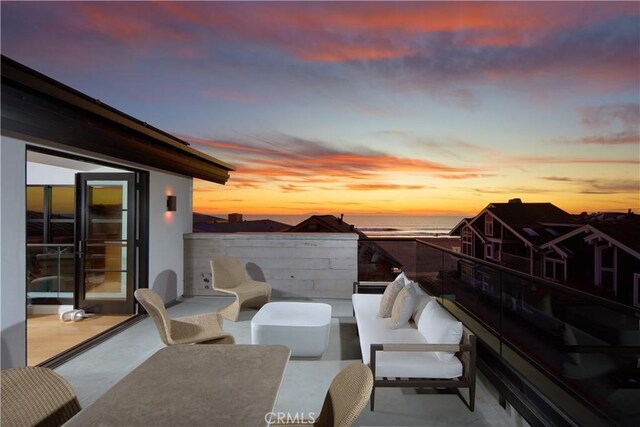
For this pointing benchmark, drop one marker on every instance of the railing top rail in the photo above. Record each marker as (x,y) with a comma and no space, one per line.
(50,245)
(540,281)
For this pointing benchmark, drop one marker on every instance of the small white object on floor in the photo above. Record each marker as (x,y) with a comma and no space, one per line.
(74,315)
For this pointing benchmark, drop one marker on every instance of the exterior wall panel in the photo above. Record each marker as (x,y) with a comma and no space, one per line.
(13,291)
(296,265)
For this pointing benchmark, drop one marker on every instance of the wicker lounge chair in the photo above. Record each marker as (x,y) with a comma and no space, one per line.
(36,396)
(347,396)
(230,276)
(198,329)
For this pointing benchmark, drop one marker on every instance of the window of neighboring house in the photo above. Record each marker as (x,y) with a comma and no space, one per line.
(467,241)
(636,289)
(488,225)
(555,269)
(606,268)
(492,251)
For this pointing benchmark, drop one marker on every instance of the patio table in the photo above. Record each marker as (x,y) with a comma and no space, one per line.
(194,385)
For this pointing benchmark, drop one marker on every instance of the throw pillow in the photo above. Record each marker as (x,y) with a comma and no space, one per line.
(389,296)
(423,299)
(404,278)
(439,327)
(403,306)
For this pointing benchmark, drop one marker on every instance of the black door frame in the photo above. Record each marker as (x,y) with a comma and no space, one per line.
(141,245)
(82,243)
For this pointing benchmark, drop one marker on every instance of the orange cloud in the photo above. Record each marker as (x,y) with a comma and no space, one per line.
(464,175)
(621,138)
(578,160)
(382,186)
(338,51)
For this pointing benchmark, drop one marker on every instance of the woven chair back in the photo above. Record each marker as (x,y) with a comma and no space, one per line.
(36,396)
(347,396)
(227,272)
(152,302)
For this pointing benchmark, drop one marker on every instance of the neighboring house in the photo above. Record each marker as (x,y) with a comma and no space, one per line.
(204,219)
(601,257)
(108,194)
(235,224)
(511,233)
(599,254)
(374,262)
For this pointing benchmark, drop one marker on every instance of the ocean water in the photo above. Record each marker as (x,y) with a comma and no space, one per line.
(384,225)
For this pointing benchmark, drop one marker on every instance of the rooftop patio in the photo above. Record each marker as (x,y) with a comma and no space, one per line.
(306,380)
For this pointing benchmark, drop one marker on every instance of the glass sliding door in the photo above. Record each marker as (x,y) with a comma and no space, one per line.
(106,249)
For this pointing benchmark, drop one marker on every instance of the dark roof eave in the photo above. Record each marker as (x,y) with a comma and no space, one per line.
(34,105)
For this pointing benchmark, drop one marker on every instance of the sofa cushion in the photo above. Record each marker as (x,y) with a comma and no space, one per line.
(403,306)
(439,327)
(415,364)
(373,329)
(423,299)
(389,296)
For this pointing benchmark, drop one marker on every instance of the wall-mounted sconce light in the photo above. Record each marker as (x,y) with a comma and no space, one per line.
(171,203)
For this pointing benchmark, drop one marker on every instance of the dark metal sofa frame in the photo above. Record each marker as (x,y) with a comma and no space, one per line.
(465,351)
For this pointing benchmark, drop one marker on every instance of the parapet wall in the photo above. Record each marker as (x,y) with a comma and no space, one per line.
(296,265)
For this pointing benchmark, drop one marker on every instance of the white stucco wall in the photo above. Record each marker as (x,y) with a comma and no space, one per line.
(296,265)
(12,253)
(165,232)
(165,238)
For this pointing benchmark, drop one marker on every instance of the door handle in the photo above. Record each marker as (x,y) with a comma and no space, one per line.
(80,249)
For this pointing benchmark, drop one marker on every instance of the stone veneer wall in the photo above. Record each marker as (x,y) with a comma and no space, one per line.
(296,265)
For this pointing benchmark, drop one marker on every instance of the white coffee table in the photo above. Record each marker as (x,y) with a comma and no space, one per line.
(301,326)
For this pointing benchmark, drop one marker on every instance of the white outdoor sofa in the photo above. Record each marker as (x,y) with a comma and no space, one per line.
(405,357)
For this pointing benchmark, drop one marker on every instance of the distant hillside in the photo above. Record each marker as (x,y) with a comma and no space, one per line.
(206,219)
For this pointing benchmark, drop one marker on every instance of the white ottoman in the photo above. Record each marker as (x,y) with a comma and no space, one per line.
(301,326)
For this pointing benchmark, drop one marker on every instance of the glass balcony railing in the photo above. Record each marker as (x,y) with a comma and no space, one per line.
(50,273)
(579,351)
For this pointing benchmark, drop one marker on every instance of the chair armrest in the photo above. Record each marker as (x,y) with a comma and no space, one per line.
(375,348)
(421,347)
(358,285)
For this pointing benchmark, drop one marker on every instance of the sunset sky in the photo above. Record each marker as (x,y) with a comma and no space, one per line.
(400,108)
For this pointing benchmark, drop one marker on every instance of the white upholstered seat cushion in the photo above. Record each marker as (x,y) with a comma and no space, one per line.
(409,364)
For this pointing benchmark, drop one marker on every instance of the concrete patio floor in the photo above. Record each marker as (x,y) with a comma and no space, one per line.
(306,380)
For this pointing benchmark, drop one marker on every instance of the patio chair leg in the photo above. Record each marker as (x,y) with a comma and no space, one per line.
(472,397)
(373,396)
(231,311)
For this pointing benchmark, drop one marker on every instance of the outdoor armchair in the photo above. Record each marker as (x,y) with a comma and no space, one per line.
(197,329)
(230,276)
(36,396)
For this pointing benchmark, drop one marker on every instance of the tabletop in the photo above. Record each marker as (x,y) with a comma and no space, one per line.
(193,385)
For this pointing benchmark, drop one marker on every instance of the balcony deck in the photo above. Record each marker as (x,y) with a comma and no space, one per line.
(306,380)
